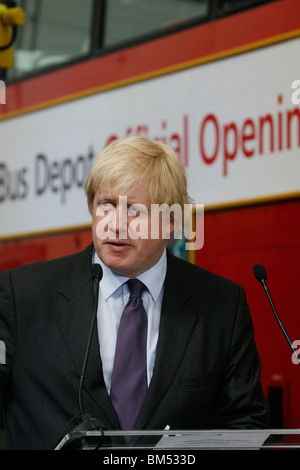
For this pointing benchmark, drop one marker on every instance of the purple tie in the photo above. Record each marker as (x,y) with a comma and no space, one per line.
(129,376)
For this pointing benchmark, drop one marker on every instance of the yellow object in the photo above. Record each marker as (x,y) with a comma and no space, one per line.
(8,17)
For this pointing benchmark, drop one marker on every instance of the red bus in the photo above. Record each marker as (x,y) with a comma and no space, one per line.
(219,82)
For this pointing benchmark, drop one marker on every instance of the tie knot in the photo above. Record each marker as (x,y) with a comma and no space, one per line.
(136,287)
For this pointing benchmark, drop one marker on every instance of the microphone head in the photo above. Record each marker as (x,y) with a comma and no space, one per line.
(260,272)
(97,272)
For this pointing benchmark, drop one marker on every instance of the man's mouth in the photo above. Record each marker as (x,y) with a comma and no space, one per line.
(117,245)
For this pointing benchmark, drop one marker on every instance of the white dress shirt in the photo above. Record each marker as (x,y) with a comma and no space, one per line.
(113,296)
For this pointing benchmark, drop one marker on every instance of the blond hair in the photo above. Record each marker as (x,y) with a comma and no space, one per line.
(133,161)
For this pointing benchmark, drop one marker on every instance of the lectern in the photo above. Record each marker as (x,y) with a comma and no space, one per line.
(183,440)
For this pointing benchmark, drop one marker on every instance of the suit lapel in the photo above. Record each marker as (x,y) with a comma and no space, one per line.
(176,326)
(76,306)
(77,300)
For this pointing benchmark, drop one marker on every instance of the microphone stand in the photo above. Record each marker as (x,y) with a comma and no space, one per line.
(261,276)
(74,439)
(97,280)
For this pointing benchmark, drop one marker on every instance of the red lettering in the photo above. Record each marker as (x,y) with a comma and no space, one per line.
(248,133)
(266,133)
(229,130)
(177,147)
(129,131)
(142,130)
(262,121)
(279,101)
(209,118)
(111,139)
(290,114)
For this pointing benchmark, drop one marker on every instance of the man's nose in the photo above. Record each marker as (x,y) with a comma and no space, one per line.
(119,223)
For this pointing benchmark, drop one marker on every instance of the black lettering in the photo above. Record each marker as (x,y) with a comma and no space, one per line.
(66,176)
(23,184)
(41,180)
(13,184)
(2,182)
(53,175)
(79,171)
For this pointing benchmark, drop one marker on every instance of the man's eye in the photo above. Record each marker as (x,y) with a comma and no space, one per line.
(137,209)
(106,206)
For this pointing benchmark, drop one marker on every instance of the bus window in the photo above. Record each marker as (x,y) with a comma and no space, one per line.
(231,5)
(131,19)
(54,32)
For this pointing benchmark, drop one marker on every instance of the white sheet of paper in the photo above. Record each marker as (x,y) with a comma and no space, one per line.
(211,440)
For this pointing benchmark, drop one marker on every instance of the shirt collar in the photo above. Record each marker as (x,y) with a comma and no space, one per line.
(153,278)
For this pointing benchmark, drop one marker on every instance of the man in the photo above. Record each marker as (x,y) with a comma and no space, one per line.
(202,369)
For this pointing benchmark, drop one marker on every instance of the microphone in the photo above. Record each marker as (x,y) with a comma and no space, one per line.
(261,276)
(97,274)
(71,439)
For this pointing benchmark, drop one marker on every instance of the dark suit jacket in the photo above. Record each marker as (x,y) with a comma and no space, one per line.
(207,368)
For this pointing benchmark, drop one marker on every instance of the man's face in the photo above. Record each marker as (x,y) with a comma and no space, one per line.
(122,233)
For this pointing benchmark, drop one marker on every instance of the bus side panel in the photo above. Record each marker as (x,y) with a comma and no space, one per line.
(234,241)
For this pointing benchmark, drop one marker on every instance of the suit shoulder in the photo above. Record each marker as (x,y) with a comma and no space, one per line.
(198,275)
(51,267)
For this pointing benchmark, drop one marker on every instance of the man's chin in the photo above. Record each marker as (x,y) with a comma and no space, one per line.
(117,260)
